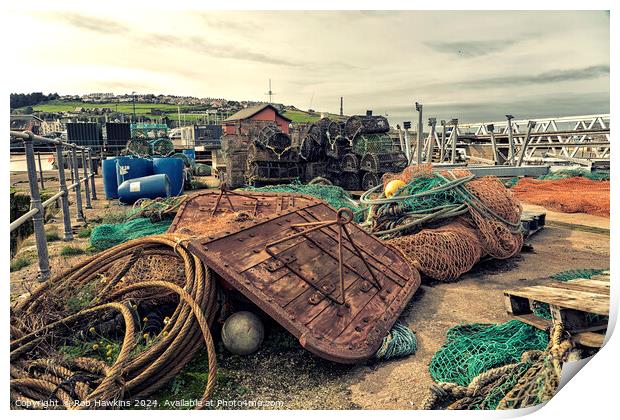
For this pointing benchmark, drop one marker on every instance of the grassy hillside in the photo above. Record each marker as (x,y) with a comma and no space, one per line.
(125,107)
(171,111)
(299,116)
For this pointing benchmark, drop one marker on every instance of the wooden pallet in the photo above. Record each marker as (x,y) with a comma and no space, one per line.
(569,302)
(532,222)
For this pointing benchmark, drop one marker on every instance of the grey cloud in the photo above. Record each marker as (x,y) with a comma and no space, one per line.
(200,45)
(470,49)
(533,106)
(554,76)
(197,44)
(91,23)
(233,25)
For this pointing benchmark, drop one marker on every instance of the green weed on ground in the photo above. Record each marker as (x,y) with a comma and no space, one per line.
(69,251)
(84,232)
(19,263)
(52,235)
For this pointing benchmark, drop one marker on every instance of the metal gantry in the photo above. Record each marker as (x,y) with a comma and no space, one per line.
(579,139)
(37,208)
(574,140)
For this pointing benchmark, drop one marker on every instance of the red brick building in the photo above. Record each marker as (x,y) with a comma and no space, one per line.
(265,112)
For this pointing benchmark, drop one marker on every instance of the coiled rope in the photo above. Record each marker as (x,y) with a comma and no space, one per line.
(38,374)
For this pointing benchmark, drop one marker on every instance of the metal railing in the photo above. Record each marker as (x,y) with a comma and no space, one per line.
(37,208)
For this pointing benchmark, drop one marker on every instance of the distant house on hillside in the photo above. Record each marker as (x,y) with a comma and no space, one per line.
(264,112)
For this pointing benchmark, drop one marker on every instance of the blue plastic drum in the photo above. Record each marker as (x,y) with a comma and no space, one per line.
(152,186)
(173,167)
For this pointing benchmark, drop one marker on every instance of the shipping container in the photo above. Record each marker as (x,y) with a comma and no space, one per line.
(117,135)
(85,134)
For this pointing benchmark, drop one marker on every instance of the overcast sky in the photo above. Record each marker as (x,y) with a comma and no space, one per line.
(469,65)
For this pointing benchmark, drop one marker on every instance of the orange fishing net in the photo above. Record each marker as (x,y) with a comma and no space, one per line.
(569,195)
(488,228)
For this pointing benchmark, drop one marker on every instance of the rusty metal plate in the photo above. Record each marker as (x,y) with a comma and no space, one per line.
(340,301)
(258,205)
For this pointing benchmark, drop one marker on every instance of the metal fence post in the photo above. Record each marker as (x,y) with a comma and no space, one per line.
(443,141)
(86,181)
(40,171)
(64,200)
(511,142)
(70,166)
(76,181)
(419,146)
(92,174)
(38,218)
(454,136)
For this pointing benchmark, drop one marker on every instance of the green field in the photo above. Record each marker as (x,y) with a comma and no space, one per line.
(301,117)
(189,113)
(124,107)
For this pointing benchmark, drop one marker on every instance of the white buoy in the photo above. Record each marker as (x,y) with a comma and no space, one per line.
(242,333)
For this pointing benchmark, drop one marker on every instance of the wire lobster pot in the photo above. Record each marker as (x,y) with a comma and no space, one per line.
(257,152)
(329,129)
(383,162)
(271,137)
(374,143)
(350,163)
(365,124)
(162,147)
(265,172)
(311,143)
(350,181)
(370,180)
(337,148)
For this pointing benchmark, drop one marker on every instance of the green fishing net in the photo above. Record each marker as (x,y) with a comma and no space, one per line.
(582,172)
(108,235)
(472,349)
(335,196)
(400,342)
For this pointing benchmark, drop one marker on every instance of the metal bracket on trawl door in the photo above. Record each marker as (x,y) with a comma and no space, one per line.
(225,192)
(344,216)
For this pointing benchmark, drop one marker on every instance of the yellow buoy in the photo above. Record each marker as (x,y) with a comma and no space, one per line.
(393,186)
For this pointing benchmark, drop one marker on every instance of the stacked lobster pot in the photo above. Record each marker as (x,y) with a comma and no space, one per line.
(352,154)
(235,154)
(312,140)
(271,157)
(372,152)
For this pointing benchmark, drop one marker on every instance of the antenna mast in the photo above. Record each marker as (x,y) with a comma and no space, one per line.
(270,93)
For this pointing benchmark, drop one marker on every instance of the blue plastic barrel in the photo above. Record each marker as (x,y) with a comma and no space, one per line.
(191,154)
(173,167)
(151,186)
(110,183)
(130,167)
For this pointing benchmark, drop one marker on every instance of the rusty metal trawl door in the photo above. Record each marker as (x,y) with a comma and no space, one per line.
(327,281)
(344,216)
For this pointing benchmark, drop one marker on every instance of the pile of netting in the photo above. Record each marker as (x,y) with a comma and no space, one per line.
(335,196)
(529,376)
(156,209)
(399,342)
(108,235)
(146,217)
(579,172)
(472,349)
(568,195)
(113,329)
(445,222)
